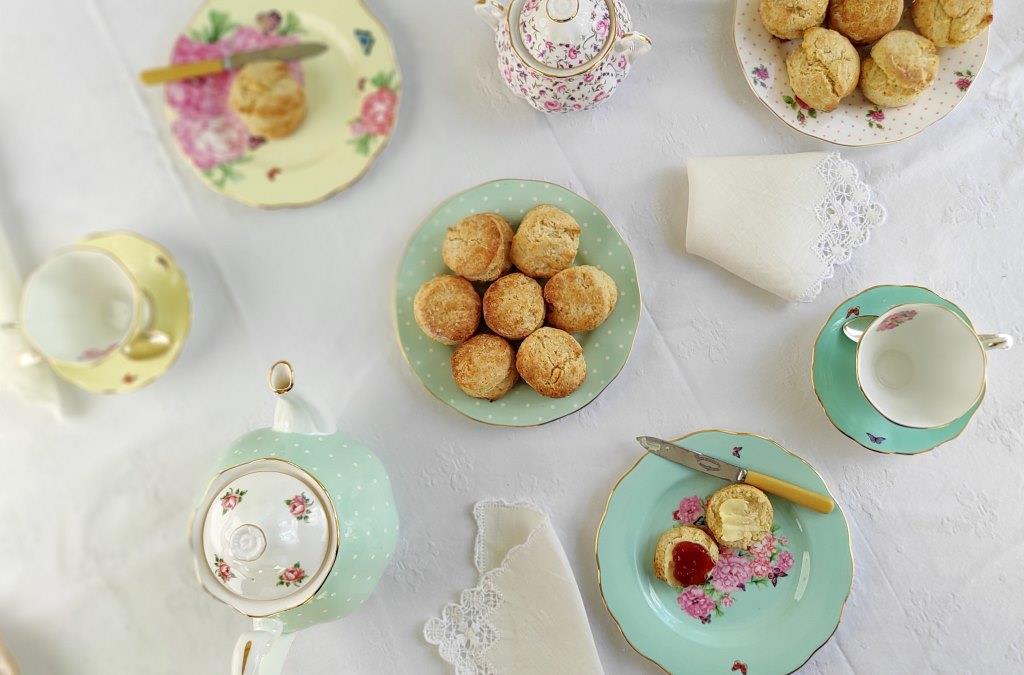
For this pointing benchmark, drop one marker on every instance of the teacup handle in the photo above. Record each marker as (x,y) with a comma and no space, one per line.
(855,327)
(27,358)
(996,341)
(261,651)
(148,345)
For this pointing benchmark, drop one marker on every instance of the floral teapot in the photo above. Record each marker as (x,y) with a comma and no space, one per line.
(563,55)
(295,529)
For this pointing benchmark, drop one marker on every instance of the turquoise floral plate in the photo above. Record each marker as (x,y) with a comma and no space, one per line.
(605,349)
(835,379)
(764,610)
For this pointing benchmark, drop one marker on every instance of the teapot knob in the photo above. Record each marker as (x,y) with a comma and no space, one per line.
(281,377)
(491,11)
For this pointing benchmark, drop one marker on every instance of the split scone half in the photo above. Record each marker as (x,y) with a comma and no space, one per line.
(739,515)
(664,565)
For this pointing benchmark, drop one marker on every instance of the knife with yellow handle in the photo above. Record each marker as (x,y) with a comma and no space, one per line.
(185,71)
(734,474)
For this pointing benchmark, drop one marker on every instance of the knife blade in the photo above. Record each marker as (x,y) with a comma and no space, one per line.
(734,474)
(693,460)
(184,71)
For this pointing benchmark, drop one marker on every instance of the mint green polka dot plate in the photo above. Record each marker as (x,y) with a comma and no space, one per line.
(765,610)
(605,349)
(833,371)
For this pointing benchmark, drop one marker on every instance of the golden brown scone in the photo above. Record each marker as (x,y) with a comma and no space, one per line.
(788,19)
(514,306)
(864,21)
(580,298)
(910,59)
(824,69)
(545,242)
(663,564)
(477,247)
(447,309)
(484,366)
(551,361)
(739,515)
(268,99)
(882,90)
(949,23)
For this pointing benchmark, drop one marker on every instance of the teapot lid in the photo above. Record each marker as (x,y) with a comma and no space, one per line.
(265,537)
(566,34)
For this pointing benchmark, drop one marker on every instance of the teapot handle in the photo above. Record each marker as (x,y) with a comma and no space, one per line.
(491,11)
(633,44)
(261,651)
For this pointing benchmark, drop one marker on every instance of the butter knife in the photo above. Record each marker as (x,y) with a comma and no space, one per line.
(184,71)
(734,474)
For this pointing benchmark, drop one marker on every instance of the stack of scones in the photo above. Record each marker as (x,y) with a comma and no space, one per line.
(530,325)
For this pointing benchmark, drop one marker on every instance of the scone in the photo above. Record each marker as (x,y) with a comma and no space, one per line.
(739,515)
(447,309)
(864,21)
(948,23)
(579,298)
(270,102)
(824,69)
(883,90)
(545,242)
(685,556)
(910,59)
(477,247)
(484,367)
(788,19)
(514,306)
(551,361)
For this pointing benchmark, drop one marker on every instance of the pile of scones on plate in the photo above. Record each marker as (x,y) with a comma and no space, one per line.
(898,66)
(482,249)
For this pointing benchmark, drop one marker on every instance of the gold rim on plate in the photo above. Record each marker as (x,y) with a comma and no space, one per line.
(607,503)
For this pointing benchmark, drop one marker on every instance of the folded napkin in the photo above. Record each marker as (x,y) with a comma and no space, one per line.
(525,615)
(35,383)
(782,222)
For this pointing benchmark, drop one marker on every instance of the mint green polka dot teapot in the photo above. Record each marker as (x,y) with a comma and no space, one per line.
(295,529)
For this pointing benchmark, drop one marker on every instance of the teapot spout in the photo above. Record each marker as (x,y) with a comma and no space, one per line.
(294,414)
(491,11)
(633,44)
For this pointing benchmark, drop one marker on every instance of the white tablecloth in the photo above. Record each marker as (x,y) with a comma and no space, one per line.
(95,570)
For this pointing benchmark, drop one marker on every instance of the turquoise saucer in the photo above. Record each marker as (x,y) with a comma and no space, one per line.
(769,624)
(835,379)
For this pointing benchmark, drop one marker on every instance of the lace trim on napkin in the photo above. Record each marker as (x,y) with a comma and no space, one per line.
(846,213)
(463,633)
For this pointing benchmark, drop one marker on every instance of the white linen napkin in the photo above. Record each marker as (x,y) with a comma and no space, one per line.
(525,615)
(782,222)
(35,383)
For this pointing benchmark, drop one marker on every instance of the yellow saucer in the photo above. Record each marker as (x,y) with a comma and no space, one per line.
(162,280)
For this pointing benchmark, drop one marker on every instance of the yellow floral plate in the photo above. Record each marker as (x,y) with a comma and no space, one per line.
(352,94)
(158,275)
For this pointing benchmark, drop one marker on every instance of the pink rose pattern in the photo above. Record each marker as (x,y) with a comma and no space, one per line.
(209,133)
(897,319)
(292,576)
(564,55)
(764,562)
(875,117)
(964,79)
(299,506)
(230,499)
(690,509)
(551,94)
(222,569)
(377,112)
